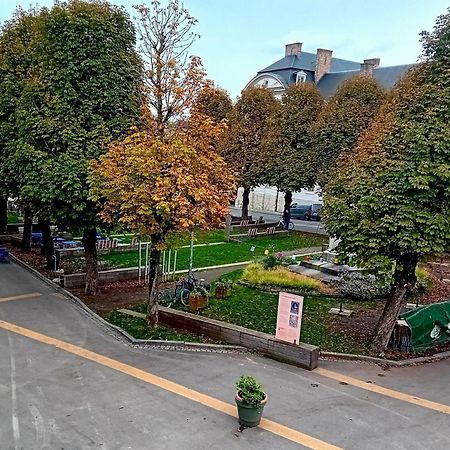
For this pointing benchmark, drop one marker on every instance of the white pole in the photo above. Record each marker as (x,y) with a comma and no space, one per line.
(174,264)
(146,262)
(191,255)
(168,263)
(149,264)
(139,263)
(164,265)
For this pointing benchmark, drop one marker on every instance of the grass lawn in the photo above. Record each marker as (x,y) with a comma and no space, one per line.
(137,328)
(229,252)
(257,310)
(201,237)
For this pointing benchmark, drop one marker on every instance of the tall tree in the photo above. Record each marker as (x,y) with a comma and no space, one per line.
(390,202)
(3,214)
(345,115)
(289,143)
(157,187)
(214,102)
(242,144)
(173,78)
(16,66)
(81,92)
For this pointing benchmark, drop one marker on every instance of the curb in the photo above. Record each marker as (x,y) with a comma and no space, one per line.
(122,335)
(386,362)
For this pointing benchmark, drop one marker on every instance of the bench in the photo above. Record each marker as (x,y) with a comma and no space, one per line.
(104,244)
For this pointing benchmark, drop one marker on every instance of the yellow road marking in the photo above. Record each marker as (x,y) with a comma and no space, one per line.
(20,297)
(384,391)
(211,402)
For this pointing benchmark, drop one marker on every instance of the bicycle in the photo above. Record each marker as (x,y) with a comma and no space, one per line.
(281,224)
(168,297)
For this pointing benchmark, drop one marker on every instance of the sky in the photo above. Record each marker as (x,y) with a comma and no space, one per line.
(240,37)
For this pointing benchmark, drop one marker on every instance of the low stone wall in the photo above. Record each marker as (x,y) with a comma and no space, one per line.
(302,355)
(106,276)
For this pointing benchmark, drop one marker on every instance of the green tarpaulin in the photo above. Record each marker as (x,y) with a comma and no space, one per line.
(429,324)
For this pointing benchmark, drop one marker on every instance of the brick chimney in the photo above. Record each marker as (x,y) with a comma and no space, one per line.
(323,63)
(293,49)
(368,65)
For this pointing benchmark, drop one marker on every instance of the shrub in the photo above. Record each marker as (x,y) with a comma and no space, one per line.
(423,283)
(359,286)
(276,259)
(250,390)
(279,277)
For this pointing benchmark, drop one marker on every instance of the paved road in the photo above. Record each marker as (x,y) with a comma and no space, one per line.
(299,225)
(66,383)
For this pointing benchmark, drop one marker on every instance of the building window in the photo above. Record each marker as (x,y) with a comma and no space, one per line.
(300,77)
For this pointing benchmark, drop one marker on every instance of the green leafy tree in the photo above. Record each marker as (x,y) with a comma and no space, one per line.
(79,93)
(214,102)
(242,145)
(345,115)
(390,202)
(288,146)
(16,65)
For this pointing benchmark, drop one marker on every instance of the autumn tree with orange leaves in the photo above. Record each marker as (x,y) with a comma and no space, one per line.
(158,187)
(165,178)
(173,78)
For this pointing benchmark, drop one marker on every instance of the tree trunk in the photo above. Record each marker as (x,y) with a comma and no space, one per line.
(27,229)
(48,246)
(3,214)
(153,281)
(90,255)
(287,209)
(404,280)
(245,202)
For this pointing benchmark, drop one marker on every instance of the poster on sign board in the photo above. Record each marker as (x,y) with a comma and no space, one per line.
(289,318)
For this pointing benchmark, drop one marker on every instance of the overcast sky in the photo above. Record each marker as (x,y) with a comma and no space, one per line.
(240,37)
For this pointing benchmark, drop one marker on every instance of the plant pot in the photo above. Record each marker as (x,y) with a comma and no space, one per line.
(220,292)
(249,416)
(197,301)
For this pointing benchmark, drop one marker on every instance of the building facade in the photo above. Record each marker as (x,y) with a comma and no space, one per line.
(322,69)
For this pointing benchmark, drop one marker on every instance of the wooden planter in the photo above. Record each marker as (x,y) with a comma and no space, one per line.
(222,292)
(197,301)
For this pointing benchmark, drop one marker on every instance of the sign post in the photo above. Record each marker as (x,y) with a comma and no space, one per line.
(289,318)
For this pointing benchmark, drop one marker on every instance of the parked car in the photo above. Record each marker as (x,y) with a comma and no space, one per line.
(306,212)
(302,212)
(315,211)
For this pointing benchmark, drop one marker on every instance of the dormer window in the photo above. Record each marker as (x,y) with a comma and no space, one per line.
(300,77)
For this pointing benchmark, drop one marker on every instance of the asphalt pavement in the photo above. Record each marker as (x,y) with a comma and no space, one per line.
(66,383)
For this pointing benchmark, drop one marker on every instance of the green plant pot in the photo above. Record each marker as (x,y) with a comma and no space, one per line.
(249,416)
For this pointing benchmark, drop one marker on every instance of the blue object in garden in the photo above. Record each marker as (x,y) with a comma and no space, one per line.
(4,255)
(37,238)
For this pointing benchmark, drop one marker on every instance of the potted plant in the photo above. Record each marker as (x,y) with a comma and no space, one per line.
(223,289)
(198,298)
(250,400)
